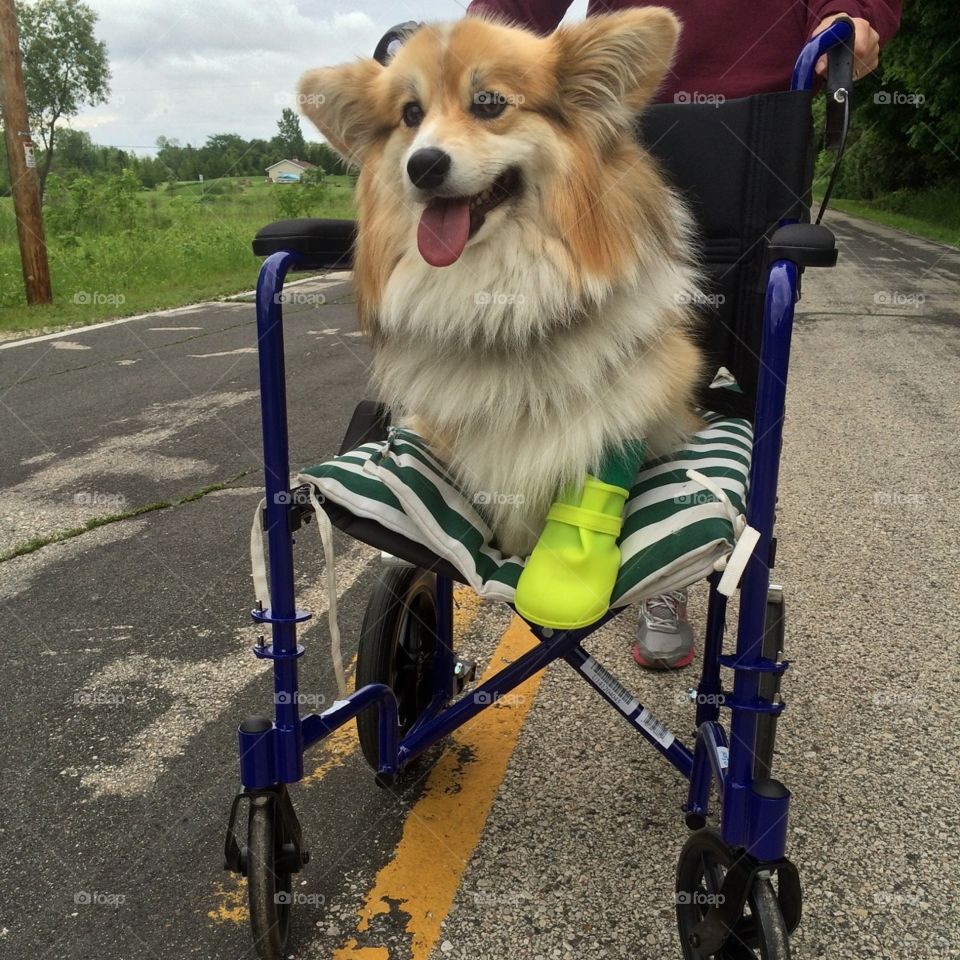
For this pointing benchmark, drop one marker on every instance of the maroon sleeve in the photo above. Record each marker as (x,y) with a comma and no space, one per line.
(539,15)
(882,15)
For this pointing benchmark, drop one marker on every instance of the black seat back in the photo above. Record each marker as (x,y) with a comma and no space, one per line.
(742,165)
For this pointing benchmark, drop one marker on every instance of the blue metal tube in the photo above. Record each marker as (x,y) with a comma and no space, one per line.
(316,726)
(764,470)
(678,755)
(422,737)
(288,739)
(805,69)
(707,766)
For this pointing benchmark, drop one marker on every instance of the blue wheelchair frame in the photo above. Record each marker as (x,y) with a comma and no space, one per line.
(751,818)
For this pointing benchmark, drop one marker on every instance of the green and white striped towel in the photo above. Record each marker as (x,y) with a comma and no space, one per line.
(675,531)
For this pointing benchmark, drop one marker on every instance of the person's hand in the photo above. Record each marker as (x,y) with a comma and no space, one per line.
(866,46)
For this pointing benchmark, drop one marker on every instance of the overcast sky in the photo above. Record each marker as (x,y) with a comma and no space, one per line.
(186,69)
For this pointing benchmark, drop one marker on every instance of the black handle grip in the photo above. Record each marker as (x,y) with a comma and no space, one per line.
(839,90)
(392,40)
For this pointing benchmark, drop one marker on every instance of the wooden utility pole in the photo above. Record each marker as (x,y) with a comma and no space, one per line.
(23,175)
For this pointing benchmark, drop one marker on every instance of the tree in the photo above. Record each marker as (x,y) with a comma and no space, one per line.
(76,151)
(290,137)
(64,66)
(905,133)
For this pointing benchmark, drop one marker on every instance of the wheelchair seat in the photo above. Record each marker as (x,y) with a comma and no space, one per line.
(392,493)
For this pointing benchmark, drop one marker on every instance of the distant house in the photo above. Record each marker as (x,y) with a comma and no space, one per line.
(288,171)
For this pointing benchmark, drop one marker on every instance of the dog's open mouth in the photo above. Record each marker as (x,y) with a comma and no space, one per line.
(447,223)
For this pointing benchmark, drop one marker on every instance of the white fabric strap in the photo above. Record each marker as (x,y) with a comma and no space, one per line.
(329,560)
(261,588)
(258,563)
(745,535)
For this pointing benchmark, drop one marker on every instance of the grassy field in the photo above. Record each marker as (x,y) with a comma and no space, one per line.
(186,242)
(933,213)
(176,245)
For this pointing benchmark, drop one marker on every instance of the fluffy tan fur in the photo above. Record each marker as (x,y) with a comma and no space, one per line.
(563,328)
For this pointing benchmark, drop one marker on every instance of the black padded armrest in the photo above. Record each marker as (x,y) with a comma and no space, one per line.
(806,244)
(328,243)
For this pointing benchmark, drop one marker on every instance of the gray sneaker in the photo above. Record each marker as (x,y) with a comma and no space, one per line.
(665,637)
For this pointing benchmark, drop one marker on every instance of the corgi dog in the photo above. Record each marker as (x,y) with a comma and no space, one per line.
(522,269)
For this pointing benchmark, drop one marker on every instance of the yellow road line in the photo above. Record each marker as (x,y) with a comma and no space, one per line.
(444,825)
(230,897)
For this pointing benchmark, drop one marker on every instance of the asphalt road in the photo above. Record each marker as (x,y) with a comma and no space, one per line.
(545,829)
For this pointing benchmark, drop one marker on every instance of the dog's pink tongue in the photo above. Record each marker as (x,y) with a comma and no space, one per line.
(444,230)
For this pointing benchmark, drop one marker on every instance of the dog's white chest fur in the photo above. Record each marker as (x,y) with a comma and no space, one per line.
(523,381)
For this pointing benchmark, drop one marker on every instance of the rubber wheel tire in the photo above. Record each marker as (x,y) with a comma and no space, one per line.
(269,893)
(773,640)
(398,641)
(760,934)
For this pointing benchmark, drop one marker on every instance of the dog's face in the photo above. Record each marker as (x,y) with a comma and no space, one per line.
(476,122)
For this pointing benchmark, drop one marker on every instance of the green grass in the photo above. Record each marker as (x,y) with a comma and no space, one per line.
(934,214)
(184,243)
(188,241)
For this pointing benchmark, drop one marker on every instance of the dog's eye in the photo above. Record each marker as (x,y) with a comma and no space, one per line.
(412,114)
(488,104)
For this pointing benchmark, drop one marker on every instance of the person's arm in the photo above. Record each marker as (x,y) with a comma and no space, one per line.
(541,16)
(876,21)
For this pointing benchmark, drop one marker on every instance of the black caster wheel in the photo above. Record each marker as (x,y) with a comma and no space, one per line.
(268,885)
(759,932)
(398,642)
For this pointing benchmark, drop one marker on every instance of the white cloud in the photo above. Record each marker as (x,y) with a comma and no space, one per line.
(90,121)
(186,70)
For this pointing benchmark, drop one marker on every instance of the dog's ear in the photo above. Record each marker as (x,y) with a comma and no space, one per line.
(342,102)
(609,66)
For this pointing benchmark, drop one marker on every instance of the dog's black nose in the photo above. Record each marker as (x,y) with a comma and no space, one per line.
(428,167)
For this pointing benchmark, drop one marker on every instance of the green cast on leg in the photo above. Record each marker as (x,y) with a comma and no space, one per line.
(620,465)
(569,577)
